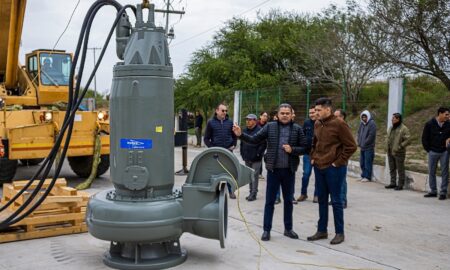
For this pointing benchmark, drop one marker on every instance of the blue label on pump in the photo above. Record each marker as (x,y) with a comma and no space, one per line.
(136,143)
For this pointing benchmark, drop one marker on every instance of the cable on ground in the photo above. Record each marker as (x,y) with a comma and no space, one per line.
(263,247)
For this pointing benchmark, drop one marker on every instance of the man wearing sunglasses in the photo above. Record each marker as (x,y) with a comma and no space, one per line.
(219,133)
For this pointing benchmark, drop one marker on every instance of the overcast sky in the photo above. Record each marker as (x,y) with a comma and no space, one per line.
(45,20)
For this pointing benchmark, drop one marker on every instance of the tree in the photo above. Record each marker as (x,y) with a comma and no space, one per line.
(411,35)
(193,90)
(231,62)
(336,55)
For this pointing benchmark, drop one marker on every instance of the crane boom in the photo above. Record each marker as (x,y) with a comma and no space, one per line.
(12,14)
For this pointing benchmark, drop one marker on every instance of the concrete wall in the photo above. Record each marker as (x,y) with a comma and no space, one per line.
(414,180)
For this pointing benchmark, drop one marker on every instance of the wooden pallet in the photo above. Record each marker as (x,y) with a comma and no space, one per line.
(62,212)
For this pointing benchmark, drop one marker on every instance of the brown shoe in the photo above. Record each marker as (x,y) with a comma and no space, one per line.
(302,198)
(317,236)
(315,200)
(339,238)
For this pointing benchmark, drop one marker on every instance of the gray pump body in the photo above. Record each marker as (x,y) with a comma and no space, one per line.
(143,216)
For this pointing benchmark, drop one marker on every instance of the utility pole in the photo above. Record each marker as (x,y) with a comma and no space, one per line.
(167,15)
(168,11)
(95,76)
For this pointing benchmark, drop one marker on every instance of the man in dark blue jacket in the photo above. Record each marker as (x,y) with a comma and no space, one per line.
(285,142)
(252,154)
(308,128)
(219,133)
(219,130)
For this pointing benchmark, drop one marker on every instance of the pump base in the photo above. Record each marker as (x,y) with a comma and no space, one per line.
(137,256)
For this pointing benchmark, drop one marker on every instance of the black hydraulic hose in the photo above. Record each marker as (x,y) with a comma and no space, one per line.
(53,154)
(50,158)
(85,46)
(56,145)
(79,101)
(73,113)
(105,45)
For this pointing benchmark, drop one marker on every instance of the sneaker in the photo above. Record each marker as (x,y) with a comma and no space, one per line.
(390,186)
(302,198)
(317,236)
(277,201)
(315,200)
(360,179)
(365,180)
(430,195)
(290,234)
(339,238)
(442,197)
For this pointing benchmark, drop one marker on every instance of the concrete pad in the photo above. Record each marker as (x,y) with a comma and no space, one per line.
(385,229)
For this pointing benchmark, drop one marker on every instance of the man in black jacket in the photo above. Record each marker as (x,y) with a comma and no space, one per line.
(434,136)
(285,143)
(308,128)
(252,154)
(219,133)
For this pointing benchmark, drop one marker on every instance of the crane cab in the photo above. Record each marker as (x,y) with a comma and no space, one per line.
(43,81)
(49,71)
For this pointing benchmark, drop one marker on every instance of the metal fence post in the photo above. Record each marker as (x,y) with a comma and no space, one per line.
(257,102)
(279,95)
(240,106)
(344,95)
(403,96)
(308,92)
(237,107)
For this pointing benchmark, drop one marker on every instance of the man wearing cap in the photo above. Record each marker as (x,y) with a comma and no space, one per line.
(252,154)
(285,143)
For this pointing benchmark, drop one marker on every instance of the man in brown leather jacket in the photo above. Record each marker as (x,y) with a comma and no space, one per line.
(333,145)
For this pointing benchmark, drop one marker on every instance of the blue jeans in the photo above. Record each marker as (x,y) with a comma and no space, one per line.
(366,163)
(344,185)
(275,178)
(329,183)
(307,170)
(433,159)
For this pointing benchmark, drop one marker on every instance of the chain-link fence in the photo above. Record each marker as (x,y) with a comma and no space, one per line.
(422,97)
(300,97)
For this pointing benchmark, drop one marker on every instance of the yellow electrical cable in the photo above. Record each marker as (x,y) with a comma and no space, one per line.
(261,245)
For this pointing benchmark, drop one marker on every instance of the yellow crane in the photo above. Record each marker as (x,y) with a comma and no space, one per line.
(32,100)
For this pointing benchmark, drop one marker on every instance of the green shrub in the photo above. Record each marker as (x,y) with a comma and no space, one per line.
(423,92)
